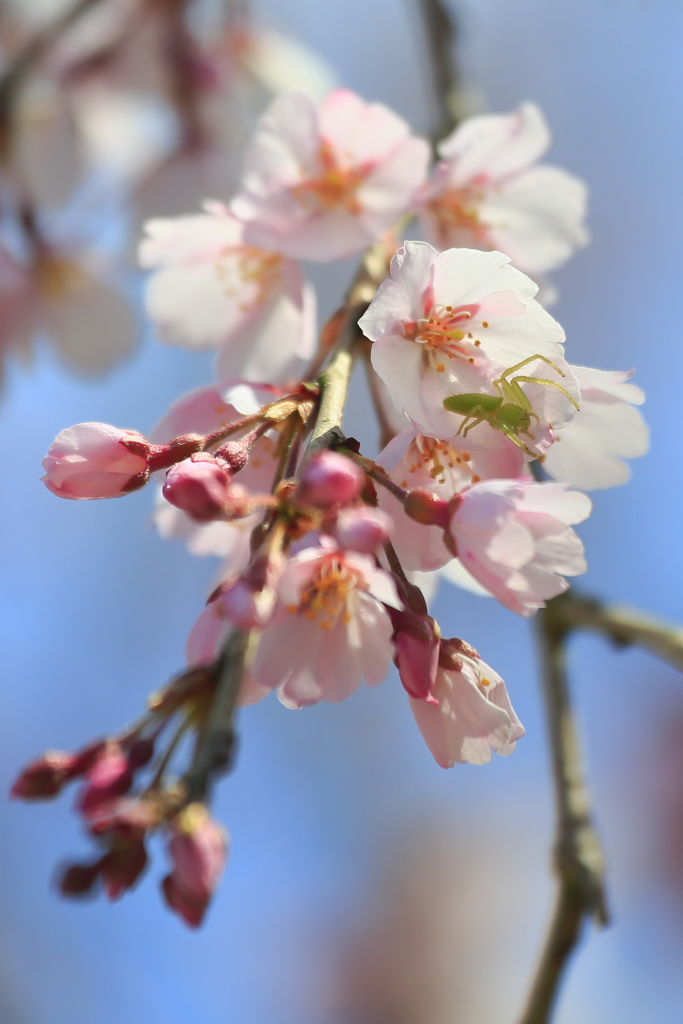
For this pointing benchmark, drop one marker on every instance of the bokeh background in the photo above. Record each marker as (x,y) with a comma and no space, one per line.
(366,885)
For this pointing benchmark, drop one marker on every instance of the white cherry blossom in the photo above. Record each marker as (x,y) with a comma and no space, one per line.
(322,183)
(489,193)
(472,715)
(210,289)
(588,453)
(452,323)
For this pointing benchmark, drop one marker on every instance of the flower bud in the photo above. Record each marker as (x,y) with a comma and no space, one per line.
(199,486)
(198,849)
(109,777)
(427,508)
(330,479)
(44,777)
(78,879)
(416,645)
(91,460)
(362,529)
(122,866)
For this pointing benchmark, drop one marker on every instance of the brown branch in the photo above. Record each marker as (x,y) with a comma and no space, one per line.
(441,36)
(578,857)
(625,626)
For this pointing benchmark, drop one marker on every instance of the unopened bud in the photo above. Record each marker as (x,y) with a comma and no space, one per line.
(109,777)
(362,529)
(416,643)
(122,867)
(199,486)
(198,849)
(44,777)
(78,879)
(427,508)
(91,460)
(330,479)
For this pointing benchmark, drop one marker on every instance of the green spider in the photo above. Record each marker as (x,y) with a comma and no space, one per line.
(510,410)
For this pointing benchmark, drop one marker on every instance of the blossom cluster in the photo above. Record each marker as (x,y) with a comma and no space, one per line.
(497,436)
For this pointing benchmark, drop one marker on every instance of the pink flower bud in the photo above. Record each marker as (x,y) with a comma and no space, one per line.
(199,486)
(330,479)
(238,605)
(122,866)
(109,777)
(78,879)
(44,777)
(427,508)
(198,849)
(417,661)
(362,529)
(90,460)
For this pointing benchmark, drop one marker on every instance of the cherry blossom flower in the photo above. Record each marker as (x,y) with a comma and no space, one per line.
(514,537)
(454,322)
(325,183)
(588,453)
(472,715)
(331,628)
(90,461)
(445,467)
(488,193)
(211,290)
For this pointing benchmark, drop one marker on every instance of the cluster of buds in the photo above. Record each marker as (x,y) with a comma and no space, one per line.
(119,812)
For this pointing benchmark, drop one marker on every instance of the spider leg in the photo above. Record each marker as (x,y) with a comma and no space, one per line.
(477,421)
(532,359)
(520,444)
(517,396)
(550,384)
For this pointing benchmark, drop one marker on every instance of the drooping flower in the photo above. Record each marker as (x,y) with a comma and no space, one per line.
(471,715)
(454,323)
(445,467)
(325,183)
(210,289)
(331,628)
(588,452)
(515,538)
(488,193)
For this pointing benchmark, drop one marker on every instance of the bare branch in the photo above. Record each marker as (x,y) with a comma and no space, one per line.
(578,857)
(625,626)
(441,34)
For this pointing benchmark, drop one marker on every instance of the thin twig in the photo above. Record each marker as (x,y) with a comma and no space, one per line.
(623,625)
(440,29)
(578,857)
(216,743)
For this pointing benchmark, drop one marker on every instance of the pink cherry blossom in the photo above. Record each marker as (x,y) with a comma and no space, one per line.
(198,848)
(453,322)
(472,715)
(514,537)
(331,628)
(324,183)
(588,453)
(488,193)
(207,638)
(210,289)
(445,467)
(89,461)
